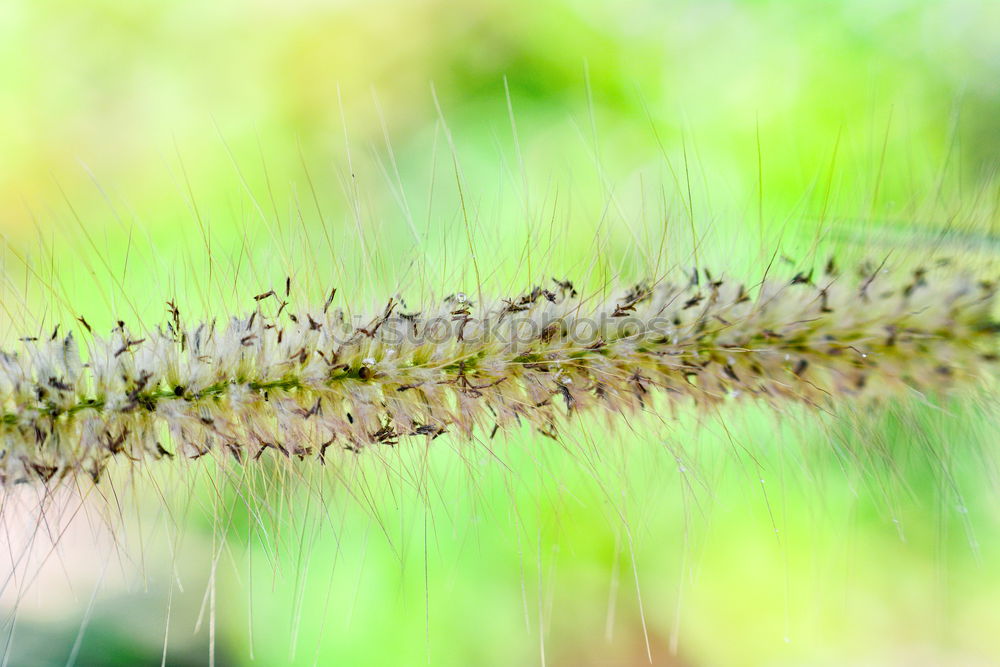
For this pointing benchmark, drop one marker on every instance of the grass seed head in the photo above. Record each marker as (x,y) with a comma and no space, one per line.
(306,383)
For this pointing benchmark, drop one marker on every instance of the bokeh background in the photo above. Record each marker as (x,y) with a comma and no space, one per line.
(204,151)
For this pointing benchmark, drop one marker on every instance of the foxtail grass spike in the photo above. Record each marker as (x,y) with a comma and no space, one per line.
(309,384)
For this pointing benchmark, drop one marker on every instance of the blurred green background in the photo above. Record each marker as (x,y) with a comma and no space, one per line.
(205,151)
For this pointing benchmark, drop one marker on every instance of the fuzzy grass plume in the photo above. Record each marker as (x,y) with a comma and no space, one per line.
(313,382)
